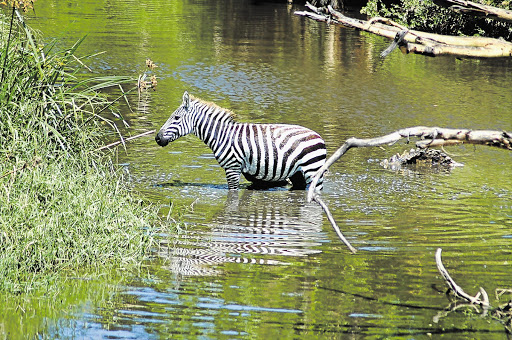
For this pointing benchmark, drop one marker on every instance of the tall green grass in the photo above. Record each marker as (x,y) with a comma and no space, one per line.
(64,208)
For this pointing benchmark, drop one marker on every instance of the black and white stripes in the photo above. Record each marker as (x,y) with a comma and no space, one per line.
(266,154)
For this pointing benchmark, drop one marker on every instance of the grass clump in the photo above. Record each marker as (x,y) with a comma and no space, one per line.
(63,206)
(62,216)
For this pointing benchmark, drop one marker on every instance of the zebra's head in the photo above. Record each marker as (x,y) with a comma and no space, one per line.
(177,125)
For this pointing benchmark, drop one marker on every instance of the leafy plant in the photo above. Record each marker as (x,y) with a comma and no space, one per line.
(425,15)
(26,5)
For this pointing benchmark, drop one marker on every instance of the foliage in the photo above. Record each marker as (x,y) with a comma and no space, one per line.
(26,5)
(63,206)
(425,15)
(44,91)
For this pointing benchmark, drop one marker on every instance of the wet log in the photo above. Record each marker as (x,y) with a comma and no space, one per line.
(476,9)
(412,41)
(420,157)
(429,137)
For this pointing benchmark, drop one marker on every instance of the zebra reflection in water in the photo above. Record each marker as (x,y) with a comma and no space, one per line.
(259,227)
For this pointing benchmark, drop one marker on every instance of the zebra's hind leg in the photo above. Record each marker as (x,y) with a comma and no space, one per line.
(309,178)
(298,181)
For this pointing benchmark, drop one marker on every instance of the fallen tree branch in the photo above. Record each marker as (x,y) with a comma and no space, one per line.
(416,41)
(476,9)
(429,136)
(317,199)
(501,313)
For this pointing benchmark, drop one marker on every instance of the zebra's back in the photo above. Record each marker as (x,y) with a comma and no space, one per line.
(276,152)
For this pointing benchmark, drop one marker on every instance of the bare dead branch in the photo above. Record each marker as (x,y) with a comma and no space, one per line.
(457,290)
(501,313)
(317,199)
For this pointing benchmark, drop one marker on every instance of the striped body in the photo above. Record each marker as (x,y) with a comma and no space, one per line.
(266,154)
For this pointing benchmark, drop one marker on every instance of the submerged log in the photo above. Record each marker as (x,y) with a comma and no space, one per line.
(420,157)
(412,41)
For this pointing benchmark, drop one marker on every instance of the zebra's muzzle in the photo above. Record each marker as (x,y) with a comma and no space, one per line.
(160,139)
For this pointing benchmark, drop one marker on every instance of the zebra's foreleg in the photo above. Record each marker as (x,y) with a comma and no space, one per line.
(233,178)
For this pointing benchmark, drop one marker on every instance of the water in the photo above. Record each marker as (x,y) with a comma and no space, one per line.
(266,264)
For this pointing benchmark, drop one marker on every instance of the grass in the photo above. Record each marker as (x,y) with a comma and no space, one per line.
(62,217)
(64,207)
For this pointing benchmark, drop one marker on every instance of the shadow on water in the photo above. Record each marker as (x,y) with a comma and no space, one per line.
(254,227)
(409,331)
(248,186)
(180,184)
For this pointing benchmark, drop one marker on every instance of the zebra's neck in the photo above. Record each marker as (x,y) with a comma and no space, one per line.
(211,123)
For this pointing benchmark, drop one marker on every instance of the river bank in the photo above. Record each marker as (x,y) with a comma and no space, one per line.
(64,207)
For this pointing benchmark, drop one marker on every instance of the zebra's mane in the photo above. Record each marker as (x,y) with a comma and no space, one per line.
(215,109)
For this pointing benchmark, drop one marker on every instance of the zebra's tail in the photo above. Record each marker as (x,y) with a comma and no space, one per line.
(314,161)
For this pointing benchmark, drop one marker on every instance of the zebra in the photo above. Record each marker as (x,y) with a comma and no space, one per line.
(266,154)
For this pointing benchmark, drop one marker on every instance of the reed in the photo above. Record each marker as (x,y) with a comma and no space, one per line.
(64,207)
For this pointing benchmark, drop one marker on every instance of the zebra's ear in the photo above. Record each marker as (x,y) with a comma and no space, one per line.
(186,100)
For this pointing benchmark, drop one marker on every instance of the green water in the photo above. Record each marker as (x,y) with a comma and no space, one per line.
(265,264)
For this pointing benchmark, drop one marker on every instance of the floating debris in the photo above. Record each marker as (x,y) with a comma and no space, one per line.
(420,157)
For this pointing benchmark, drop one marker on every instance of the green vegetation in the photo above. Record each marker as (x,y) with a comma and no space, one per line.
(425,15)
(64,208)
